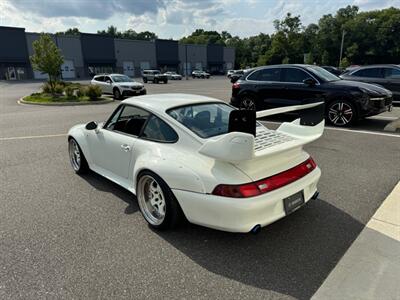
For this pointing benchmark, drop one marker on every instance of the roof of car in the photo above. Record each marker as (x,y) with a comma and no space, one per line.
(162,102)
(106,74)
(376,66)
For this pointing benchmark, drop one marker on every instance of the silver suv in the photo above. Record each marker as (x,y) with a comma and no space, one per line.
(154,75)
(118,85)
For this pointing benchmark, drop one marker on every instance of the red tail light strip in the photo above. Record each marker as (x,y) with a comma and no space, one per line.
(266,185)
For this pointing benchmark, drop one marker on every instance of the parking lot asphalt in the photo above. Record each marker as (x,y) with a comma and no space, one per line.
(69,236)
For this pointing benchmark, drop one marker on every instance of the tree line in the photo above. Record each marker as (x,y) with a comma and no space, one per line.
(368,37)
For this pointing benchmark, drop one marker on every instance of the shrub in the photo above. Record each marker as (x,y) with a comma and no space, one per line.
(46,88)
(69,91)
(80,92)
(58,88)
(93,92)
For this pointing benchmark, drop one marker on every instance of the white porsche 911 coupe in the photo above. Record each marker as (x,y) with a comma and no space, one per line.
(198,157)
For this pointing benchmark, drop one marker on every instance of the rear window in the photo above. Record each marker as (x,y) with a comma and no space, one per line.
(266,75)
(205,120)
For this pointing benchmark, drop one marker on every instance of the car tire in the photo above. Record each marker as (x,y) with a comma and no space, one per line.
(155,80)
(144,80)
(165,81)
(117,94)
(248,102)
(157,203)
(76,157)
(341,113)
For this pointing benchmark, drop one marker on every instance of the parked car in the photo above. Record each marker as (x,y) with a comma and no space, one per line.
(154,76)
(148,146)
(229,73)
(200,74)
(235,76)
(333,70)
(387,76)
(283,85)
(173,75)
(118,85)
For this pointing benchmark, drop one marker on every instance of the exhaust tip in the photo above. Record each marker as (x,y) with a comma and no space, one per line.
(256,229)
(315,196)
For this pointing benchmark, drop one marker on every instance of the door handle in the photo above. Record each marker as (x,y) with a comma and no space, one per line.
(125,147)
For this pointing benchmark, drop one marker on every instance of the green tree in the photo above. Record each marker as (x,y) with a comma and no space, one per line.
(47,59)
(344,63)
(70,31)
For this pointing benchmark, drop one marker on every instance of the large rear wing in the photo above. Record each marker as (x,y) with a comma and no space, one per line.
(239,144)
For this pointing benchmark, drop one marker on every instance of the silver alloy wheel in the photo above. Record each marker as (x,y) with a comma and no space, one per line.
(247,103)
(340,113)
(74,154)
(151,200)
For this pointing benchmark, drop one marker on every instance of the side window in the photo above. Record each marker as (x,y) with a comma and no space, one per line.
(114,117)
(392,73)
(273,74)
(131,120)
(107,78)
(371,73)
(157,130)
(254,76)
(99,78)
(294,75)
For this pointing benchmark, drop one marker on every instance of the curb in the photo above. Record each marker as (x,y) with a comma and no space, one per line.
(22,101)
(393,126)
(370,268)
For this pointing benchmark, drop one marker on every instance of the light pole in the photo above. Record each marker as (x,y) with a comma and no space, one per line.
(186,63)
(341,47)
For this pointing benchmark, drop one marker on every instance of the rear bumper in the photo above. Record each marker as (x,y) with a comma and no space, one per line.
(241,215)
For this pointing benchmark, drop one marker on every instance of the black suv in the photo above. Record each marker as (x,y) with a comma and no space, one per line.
(154,75)
(284,85)
(387,76)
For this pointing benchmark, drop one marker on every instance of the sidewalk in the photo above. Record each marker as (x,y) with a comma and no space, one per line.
(370,269)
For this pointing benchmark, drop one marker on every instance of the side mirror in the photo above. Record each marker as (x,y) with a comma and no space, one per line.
(108,81)
(91,125)
(309,81)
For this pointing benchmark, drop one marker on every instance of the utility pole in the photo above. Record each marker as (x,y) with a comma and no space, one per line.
(186,63)
(341,47)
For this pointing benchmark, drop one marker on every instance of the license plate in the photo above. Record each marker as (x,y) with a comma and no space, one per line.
(293,202)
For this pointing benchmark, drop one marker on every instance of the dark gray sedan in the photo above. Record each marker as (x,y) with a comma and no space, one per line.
(387,76)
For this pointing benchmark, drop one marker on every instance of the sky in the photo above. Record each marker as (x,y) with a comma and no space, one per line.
(170,18)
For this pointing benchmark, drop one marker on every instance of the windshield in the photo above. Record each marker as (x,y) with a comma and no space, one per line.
(121,78)
(322,73)
(205,120)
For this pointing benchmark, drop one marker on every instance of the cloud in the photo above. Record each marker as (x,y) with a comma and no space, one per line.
(170,18)
(89,9)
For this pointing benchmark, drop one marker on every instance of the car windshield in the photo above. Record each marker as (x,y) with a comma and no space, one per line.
(205,120)
(156,72)
(323,74)
(121,78)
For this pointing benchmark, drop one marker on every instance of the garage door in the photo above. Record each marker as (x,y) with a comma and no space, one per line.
(67,69)
(40,75)
(187,68)
(128,68)
(199,66)
(144,65)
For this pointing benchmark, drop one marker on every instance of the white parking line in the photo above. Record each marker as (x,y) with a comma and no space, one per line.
(271,122)
(31,137)
(350,130)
